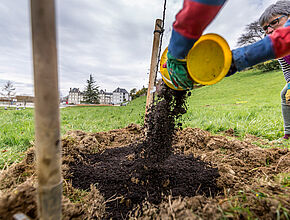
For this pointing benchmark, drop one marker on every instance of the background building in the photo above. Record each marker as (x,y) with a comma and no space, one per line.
(120,96)
(105,97)
(75,96)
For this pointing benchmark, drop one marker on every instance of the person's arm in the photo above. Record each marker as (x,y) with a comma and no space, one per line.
(272,46)
(190,22)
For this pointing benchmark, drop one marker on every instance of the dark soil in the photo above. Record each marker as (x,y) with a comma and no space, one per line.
(126,182)
(160,125)
(149,169)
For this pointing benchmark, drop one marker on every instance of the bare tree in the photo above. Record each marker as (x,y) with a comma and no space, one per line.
(8,91)
(252,33)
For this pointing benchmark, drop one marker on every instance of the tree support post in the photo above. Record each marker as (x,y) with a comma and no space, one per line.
(153,67)
(47,125)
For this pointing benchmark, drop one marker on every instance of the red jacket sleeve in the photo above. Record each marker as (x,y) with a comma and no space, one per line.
(190,22)
(281,41)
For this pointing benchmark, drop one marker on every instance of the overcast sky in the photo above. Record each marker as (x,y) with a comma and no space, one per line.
(110,39)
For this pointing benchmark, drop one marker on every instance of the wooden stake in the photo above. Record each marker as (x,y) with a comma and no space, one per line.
(47,126)
(153,66)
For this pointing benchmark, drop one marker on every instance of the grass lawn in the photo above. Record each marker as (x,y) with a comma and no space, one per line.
(248,102)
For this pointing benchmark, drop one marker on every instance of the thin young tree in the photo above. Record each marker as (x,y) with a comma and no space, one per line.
(8,91)
(91,92)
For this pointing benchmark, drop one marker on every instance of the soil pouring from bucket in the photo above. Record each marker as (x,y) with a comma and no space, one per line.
(147,170)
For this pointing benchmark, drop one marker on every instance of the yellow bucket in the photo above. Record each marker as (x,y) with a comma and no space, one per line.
(208,61)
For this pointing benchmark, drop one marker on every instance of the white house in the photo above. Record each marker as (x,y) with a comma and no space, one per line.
(75,96)
(105,97)
(116,97)
(120,96)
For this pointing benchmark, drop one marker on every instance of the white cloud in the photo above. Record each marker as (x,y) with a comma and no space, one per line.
(110,39)
(234,16)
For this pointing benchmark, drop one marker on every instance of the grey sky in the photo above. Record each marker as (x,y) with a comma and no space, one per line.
(107,38)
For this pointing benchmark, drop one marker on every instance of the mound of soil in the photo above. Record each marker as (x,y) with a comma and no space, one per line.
(147,170)
(125,182)
(159,172)
(255,180)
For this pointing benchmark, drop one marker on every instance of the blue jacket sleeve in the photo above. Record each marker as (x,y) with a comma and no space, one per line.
(272,46)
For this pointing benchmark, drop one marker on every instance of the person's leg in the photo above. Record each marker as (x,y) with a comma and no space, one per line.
(285,113)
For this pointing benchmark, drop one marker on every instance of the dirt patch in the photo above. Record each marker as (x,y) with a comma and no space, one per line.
(147,170)
(125,183)
(254,180)
(23,200)
(238,161)
(159,172)
(18,173)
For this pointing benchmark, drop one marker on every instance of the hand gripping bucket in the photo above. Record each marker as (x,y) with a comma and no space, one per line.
(208,61)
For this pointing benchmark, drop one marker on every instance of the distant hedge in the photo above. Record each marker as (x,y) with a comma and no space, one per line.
(268,66)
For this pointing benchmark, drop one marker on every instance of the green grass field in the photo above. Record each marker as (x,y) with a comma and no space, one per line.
(248,102)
